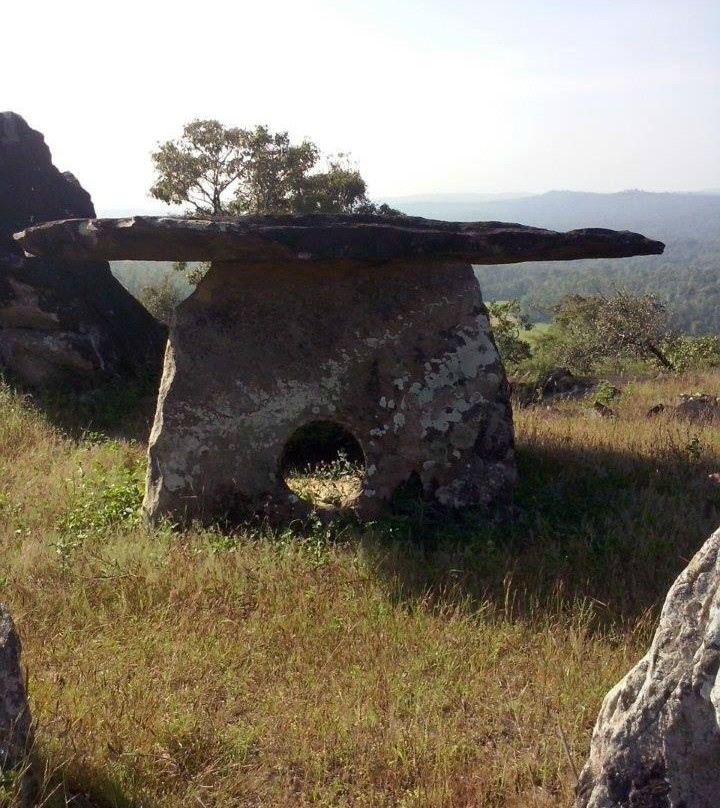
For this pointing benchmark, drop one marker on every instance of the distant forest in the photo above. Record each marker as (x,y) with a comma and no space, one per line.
(686,276)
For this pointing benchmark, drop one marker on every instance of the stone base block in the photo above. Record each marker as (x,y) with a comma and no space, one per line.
(400,355)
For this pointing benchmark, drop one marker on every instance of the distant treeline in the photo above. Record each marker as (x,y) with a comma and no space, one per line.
(687,277)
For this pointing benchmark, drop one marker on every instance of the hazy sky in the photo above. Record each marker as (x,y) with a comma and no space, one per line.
(427,95)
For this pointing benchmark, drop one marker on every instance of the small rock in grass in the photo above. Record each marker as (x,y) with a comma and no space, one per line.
(698,407)
(600,410)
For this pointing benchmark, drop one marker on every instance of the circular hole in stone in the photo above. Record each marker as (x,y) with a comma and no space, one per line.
(323,463)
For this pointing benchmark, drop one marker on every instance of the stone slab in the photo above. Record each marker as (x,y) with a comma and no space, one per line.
(323,237)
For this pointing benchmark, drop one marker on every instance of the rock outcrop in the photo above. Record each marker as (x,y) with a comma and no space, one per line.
(698,407)
(321,237)
(15,726)
(656,743)
(562,384)
(59,321)
(373,323)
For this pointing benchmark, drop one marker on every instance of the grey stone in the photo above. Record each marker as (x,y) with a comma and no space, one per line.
(600,410)
(59,321)
(402,357)
(15,726)
(656,743)
(562,384)
(698,407)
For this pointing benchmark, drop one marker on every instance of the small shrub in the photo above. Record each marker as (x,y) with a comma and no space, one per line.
(98,503)
(160,299)
(508,323)
(605,393)
(694,449)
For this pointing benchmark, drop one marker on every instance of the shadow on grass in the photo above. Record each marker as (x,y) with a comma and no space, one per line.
(74,786)
(115,407)
(608,527)
(605,525)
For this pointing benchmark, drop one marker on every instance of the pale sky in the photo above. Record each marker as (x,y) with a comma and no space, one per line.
(429,96)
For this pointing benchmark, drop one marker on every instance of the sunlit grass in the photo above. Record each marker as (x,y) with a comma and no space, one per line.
(405,663)
(334,483)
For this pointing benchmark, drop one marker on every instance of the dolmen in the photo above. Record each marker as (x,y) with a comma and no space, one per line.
(60,323)
(375,323)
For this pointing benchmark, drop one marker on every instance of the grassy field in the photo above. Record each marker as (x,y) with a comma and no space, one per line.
(404,663)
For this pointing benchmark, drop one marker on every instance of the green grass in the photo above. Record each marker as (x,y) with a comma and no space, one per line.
(409,662)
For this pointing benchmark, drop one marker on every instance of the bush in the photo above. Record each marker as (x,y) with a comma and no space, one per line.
(508,323)
(693,353)
(100,501)
(605,393)
(161,298)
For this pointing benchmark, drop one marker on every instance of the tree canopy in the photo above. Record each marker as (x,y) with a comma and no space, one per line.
(509,322)
(219,170)
(590,329)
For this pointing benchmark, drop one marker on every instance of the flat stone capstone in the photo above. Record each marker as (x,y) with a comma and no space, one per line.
(323,237)
(374,323)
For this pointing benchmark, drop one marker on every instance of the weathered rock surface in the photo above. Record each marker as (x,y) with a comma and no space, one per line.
(373,323)
(15,729)
(656,743)
(59,321)
(318,237)
(402,358)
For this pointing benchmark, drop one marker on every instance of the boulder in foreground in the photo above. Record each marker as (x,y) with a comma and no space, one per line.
(656,743)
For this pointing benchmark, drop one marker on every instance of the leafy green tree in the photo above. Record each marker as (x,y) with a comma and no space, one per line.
(508,322)
(219,170)
(203,168)
(223,171)
(274,172)
(692,353)
(589,330)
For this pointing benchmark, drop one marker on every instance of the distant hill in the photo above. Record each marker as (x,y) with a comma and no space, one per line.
(687,275)
(658,215)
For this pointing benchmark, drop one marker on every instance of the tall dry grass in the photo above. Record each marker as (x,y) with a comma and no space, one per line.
(406,663)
